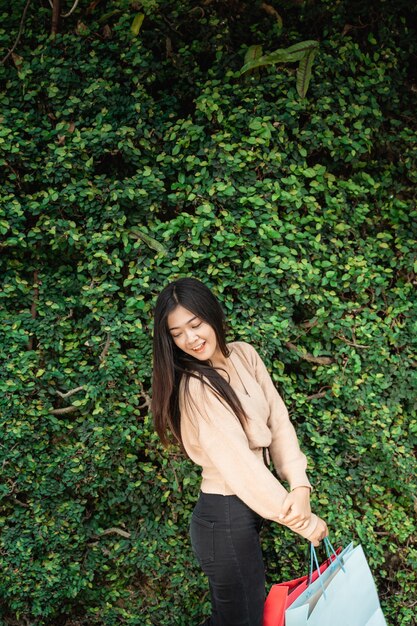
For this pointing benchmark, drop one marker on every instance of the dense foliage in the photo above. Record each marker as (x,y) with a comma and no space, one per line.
(130,156)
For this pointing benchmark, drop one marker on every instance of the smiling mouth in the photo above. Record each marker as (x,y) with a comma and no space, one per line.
(199,348)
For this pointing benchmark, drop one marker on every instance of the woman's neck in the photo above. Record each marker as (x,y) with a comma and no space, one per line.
(219,360)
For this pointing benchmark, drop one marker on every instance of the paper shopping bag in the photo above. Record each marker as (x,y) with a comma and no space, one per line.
(346,596)
(281,595)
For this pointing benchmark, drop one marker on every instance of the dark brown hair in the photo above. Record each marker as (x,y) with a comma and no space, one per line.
(170,364)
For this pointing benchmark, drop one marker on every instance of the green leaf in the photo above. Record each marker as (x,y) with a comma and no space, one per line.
(304,46)
(137,24)
(310,172)
(279,56)
(283,56)
(150,241)
(253,53)
(304,72)
(294,53)
(106,17)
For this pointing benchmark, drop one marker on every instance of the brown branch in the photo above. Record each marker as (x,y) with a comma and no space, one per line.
(271,11)
(26,506)
(309,323)
(106,348)
(12,486)
(74,6)
(65,410)
(175,473)
(69,393)
(19,184)
(56,9)
(352,343)
(19,34)
(410,606)
(115,531)
(320,360)
(10,621)
(33,308)
(92,6)
(144,395)
(320,394)
(202,13)
(35,294)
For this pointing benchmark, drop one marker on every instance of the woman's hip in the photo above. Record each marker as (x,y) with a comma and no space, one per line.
(226,512)
(225,535)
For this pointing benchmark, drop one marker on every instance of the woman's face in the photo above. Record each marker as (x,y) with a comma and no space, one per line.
(192,335)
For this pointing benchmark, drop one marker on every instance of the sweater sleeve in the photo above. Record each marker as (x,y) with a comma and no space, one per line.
(289,461)
(221,436)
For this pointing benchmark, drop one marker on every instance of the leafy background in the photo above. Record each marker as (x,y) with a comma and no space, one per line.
(132,152)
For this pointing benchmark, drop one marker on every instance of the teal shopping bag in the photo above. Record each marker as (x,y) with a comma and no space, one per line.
(345,596)
(314,589)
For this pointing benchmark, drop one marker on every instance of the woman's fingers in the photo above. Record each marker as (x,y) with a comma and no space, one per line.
(298,525)
(292,519)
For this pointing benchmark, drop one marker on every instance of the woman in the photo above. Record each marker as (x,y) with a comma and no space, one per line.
(219,403)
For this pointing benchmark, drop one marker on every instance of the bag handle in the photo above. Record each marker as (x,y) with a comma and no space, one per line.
(331,552)
(314,559)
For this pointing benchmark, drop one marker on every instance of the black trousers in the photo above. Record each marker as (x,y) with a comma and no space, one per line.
(225,539)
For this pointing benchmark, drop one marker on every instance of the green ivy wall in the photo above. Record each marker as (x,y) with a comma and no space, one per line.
(128,160)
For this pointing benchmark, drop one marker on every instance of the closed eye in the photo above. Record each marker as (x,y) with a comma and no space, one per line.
(192,326)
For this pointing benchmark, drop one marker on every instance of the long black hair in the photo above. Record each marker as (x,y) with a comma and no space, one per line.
(170,364)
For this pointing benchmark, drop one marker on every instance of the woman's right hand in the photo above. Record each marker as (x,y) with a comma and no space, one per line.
(320,532)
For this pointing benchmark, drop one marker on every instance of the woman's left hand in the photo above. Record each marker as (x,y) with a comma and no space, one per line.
(296,511)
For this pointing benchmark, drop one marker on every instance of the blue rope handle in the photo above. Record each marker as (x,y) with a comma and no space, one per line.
(313,557)
(330,551)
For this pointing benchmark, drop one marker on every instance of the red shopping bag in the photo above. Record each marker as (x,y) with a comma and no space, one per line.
(282,595)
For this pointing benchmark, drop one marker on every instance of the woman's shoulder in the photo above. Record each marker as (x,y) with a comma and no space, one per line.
(193,382)
(191,390)
(194,385)
(244,350)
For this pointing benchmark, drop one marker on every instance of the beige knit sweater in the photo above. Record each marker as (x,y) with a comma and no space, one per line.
(231,457)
